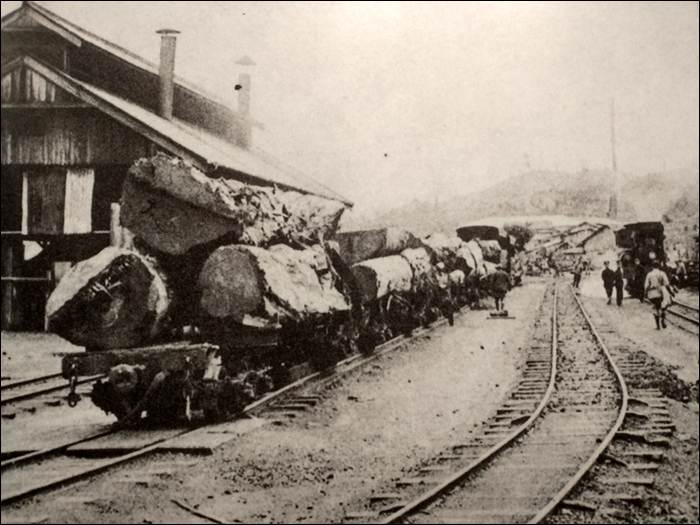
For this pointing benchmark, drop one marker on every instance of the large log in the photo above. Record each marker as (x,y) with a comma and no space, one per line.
(451,251)
(491,250)
(421,266)
(258,287)
(376,278)
(173,207)
(116,299)
(472,254)
(363,245)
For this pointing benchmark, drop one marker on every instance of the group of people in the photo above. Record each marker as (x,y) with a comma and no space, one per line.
(654,286)
(613,279)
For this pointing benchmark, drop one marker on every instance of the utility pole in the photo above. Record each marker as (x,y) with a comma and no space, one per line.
(614,198)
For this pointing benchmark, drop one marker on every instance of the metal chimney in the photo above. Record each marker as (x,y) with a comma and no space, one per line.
(168,40)
(245,138)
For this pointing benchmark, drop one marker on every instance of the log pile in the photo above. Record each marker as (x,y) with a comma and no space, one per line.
(242,254)
(228,257)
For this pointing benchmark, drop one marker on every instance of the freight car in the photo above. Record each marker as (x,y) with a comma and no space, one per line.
(641,244)
(222,291)
(228,363)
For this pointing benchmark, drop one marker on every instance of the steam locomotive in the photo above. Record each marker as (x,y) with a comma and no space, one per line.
(642,244)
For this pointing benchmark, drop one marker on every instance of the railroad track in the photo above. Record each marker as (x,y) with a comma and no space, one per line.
(569,406)
(38,387)
(682,315)
(44,470)
(686,312)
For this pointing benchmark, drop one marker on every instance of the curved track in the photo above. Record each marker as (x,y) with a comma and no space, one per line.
(568,407)
(685,312)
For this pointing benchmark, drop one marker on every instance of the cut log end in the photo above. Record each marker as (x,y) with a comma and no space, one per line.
(116,299)
(230,285)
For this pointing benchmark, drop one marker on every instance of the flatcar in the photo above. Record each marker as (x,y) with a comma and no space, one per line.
(225,364)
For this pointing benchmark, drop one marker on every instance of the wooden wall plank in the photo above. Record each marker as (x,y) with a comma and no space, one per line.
(77,216)
(63,137)
(46,201)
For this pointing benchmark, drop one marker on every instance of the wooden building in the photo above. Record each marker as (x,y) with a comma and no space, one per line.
(77,111)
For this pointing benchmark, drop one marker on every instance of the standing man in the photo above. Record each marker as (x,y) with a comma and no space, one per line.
(619,283)
(656,290)
(578,269)
(608,280)
(681,273)
(500,284)
(638,275)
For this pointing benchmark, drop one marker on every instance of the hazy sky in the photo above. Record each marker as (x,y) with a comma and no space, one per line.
(390,102)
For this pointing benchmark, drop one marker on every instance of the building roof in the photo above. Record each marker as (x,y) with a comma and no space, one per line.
(208,152)
(78,36)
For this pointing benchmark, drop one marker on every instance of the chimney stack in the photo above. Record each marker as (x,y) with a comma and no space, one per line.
(168,40)
(245,137)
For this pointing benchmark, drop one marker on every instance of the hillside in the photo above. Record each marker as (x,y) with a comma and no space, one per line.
(681,217)
(583,194)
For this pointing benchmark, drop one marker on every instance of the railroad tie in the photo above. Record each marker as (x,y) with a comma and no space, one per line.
(406,482)
(643,466)
(435,468)
(579,505)
(392,507)
(646,481)
(361,515)
(646,454)
(481,516)
(289,407)
(387,496)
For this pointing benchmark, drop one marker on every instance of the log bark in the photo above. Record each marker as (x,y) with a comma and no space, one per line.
(376,278)
(173,207)
(258,287)
(472,255)
(116,299)
(170,225)
(363,245)
(457,278)
(491,251)
(452,252)
(423,271)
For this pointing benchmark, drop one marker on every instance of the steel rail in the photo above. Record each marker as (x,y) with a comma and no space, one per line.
(23,382)
(45,452)
(685,305)
(87,472)
(610,435)
(50,390)
(691,320)
(683,316)
(154,446)
(459,476)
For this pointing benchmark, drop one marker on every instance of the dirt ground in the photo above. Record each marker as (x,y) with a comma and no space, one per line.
(26,355)
(402,409)
(375,426)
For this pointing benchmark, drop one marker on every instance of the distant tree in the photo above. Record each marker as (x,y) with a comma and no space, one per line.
(521,234)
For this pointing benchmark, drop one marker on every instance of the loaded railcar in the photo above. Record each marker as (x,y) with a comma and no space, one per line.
(284,313)
(488,235)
